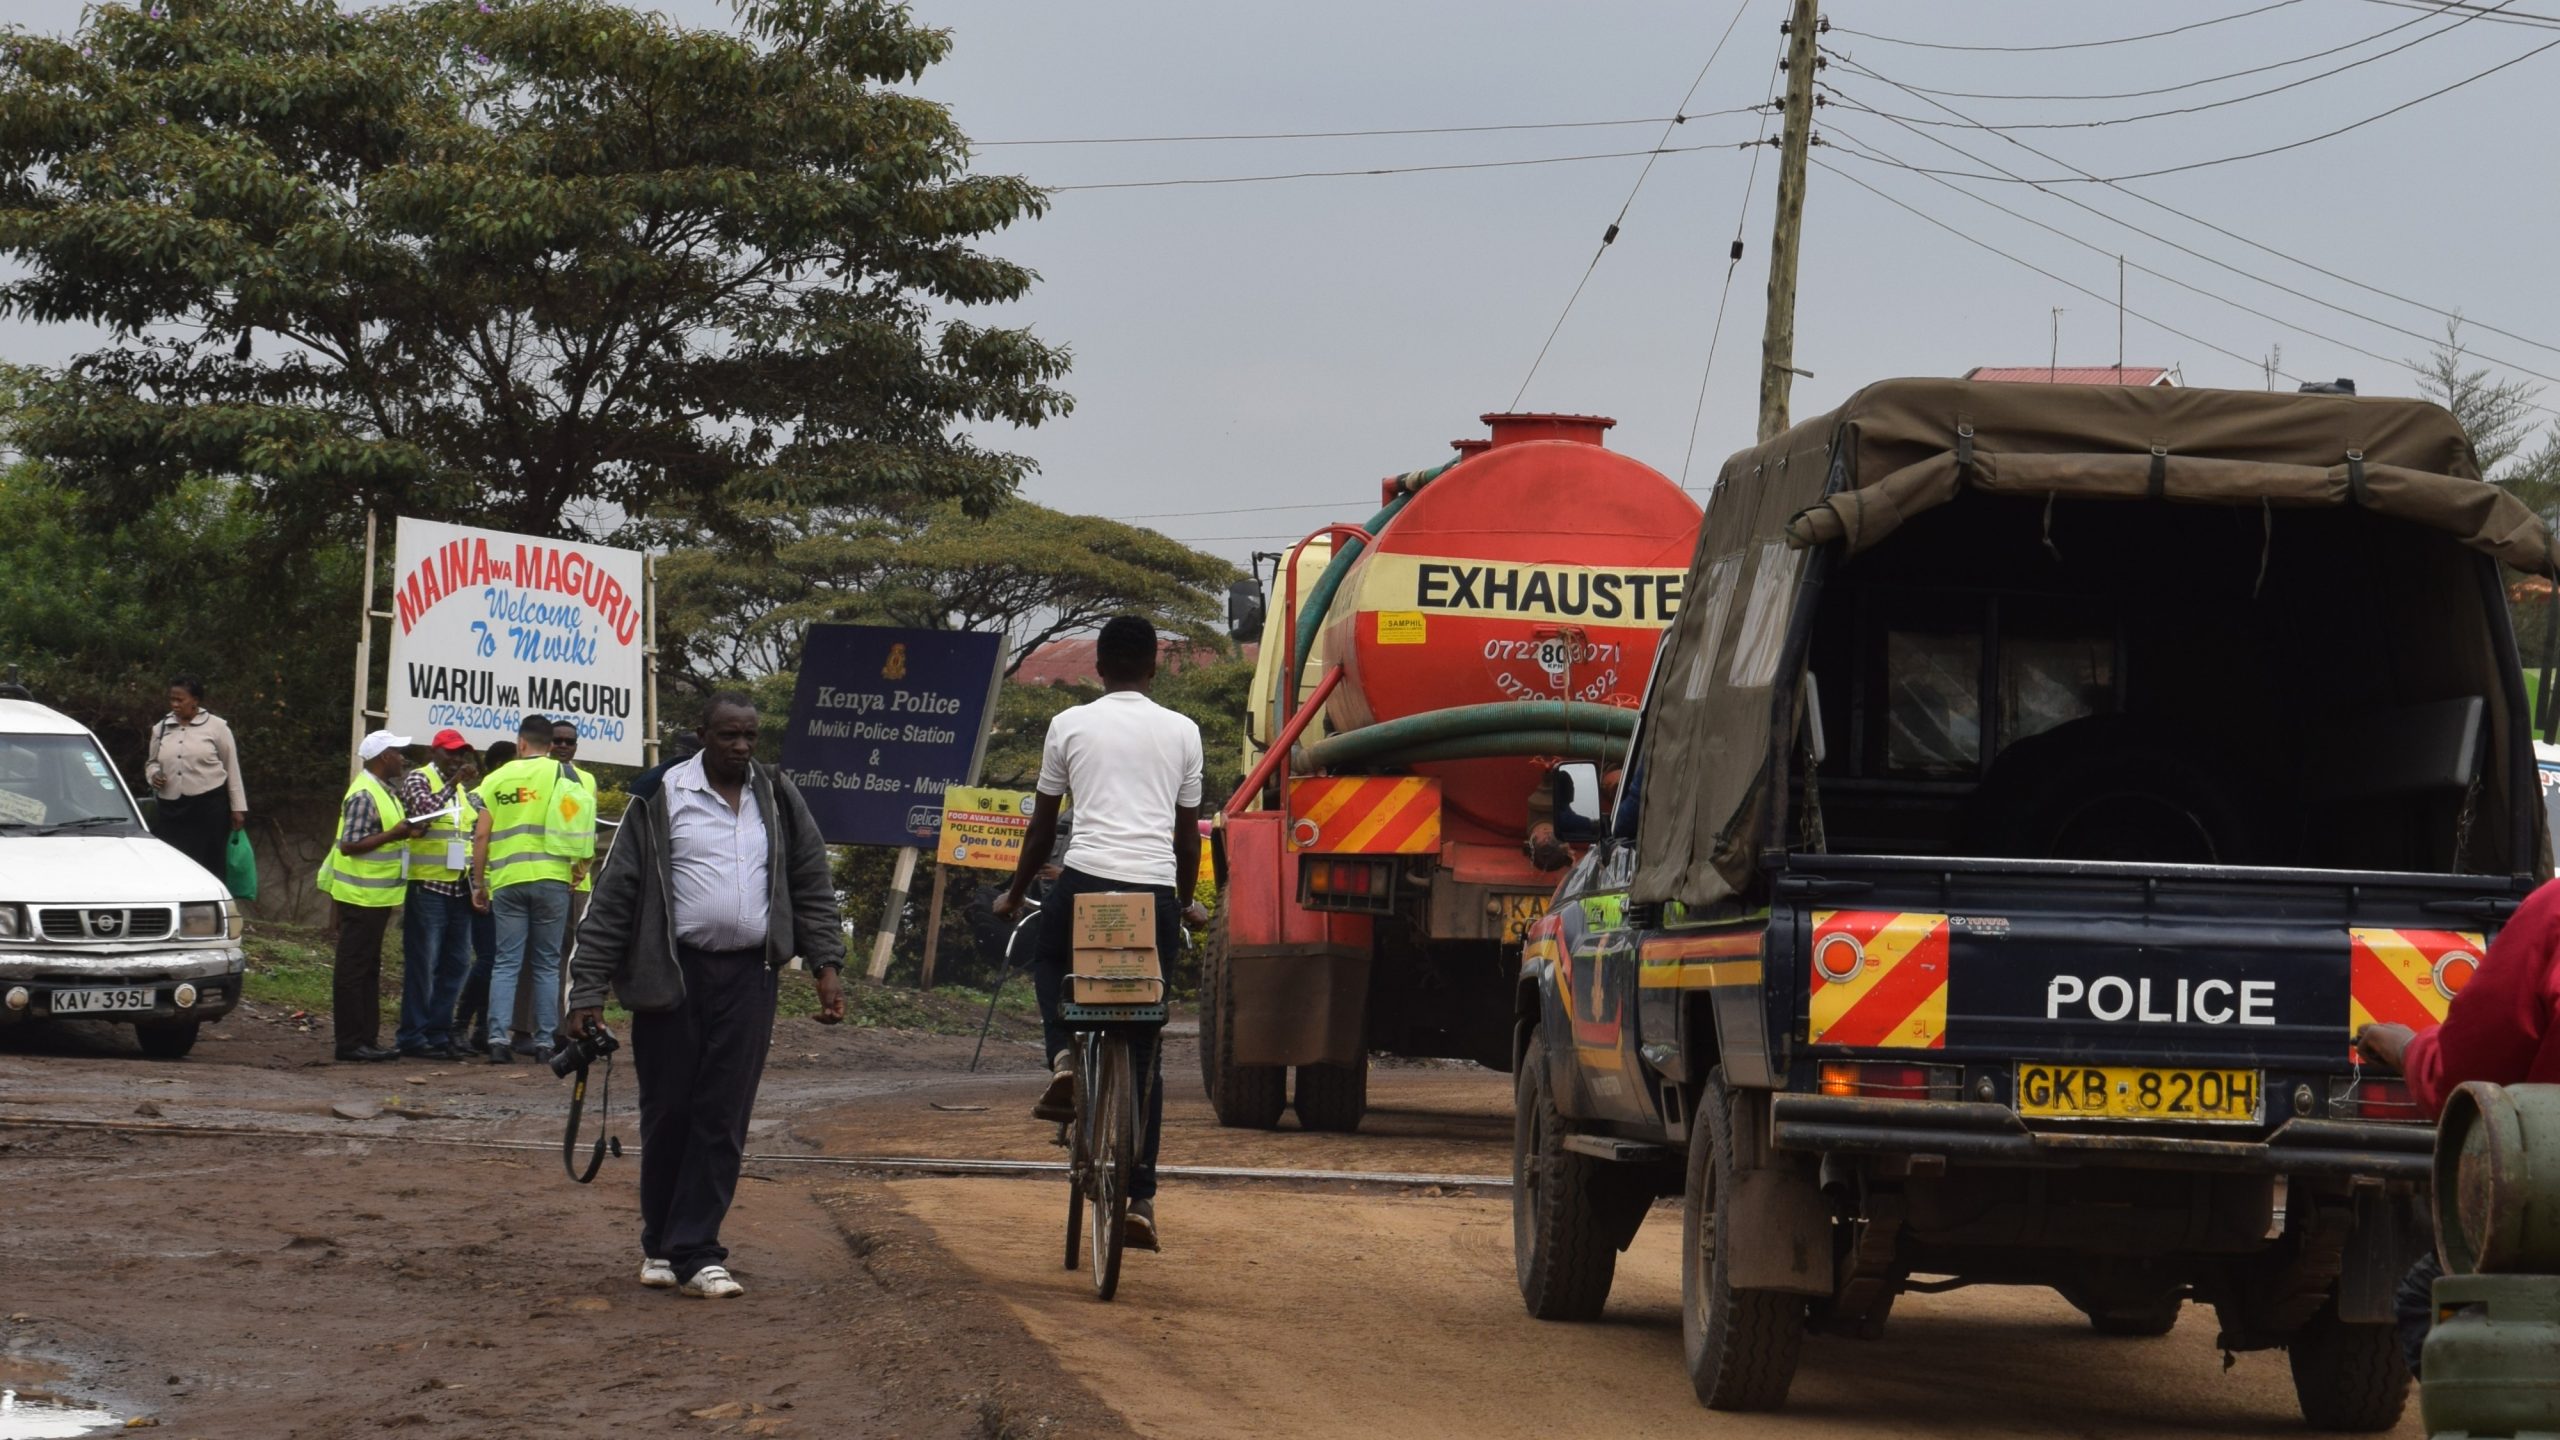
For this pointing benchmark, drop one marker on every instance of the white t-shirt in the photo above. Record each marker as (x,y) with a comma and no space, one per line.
(1129,762)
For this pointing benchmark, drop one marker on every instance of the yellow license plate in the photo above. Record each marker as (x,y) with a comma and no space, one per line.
(2120,1092)
(1519,912)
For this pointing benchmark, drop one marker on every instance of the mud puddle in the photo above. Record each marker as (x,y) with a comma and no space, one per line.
(43,1415)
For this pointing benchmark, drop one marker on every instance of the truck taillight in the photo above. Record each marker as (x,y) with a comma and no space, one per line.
(2373,1100)
(1876,1080)
(1362,885)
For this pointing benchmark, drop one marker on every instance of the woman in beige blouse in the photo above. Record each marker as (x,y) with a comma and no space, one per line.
(194,769)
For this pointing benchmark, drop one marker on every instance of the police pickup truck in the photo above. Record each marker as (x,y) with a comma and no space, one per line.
(2039,788)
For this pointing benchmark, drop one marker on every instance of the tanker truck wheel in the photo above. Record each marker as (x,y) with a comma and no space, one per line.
(1334,1097)
(1245,1097)
(2349,1377)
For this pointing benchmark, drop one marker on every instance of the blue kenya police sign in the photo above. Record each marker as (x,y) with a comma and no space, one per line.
(883,722)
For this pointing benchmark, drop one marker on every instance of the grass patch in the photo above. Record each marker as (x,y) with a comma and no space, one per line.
(290,969)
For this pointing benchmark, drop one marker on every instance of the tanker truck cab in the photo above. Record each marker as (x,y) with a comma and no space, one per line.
(99,920)
(2040,787)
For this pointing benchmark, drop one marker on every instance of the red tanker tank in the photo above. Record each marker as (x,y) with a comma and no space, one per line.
(1541,567)
(1501,615)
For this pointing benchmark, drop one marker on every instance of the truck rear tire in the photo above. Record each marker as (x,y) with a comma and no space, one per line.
(1333,1097)
(167,1039)
(1740,1346)
(1245,1097)
(1561,1248)
(2349,1377)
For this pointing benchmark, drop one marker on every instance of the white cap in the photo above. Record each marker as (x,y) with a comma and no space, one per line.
(379,741)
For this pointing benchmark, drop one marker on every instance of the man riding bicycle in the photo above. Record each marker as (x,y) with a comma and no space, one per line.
(1134,769)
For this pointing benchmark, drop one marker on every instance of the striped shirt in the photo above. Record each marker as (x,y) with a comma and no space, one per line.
(420,798)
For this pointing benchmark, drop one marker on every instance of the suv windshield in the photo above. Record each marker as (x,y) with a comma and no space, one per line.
(52,783)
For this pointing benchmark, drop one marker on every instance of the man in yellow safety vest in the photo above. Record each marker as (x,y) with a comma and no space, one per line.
(366,876)
(528,848)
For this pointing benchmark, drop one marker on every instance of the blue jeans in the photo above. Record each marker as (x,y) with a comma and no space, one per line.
(1050,966)
(435,953)
(532,914)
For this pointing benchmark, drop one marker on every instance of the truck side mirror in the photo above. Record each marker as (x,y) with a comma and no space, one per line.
(1577,795)
(1244,611)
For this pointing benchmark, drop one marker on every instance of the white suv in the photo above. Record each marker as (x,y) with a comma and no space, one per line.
(98,920)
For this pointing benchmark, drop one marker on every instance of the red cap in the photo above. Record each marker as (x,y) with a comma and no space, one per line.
(450,740)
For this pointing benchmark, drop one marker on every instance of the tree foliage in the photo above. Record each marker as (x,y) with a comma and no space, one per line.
(545,264)
(99,619)
(1022,569)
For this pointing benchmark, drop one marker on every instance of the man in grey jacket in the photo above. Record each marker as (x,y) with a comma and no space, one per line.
(715,881)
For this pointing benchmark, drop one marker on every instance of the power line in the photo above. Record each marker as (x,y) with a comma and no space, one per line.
(2075,45)
(1609,236)
(1733,261)
(1868,152)
(1880,158)
(2198,108)
(2107,300)
(1396,169)
(2186,84)
(2505,17)
(2197,220)
(1362,134)
(2084,178)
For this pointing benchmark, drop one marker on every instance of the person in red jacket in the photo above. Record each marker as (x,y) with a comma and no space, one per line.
(2505,1025)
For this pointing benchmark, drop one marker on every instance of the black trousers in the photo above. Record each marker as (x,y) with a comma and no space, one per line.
(699,1065)
(355,975)
(1055,960)
(199,827)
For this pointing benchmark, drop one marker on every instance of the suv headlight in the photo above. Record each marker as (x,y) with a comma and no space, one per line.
(203,921)
(13,923)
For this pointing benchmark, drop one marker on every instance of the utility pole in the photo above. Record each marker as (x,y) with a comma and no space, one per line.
(1778,339)
(2053,357)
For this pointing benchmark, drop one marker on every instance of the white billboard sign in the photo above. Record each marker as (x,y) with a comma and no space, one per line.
(488,627)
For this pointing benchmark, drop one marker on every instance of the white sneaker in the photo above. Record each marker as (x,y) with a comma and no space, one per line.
(658,1274)
(711,1282)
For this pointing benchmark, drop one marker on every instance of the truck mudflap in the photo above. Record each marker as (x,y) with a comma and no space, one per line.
(1970,1132)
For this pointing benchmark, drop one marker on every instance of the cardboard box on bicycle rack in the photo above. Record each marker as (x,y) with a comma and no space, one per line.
(1113,920)
(1124,975)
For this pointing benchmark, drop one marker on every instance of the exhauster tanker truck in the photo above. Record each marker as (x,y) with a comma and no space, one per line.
(1420,676)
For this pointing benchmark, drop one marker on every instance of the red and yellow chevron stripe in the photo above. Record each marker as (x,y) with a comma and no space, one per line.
(1364,815)
(2407,977)
(1879,978)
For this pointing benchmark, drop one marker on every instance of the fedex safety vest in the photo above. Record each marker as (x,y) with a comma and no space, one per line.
(442,852)
(523,799)
(379,876)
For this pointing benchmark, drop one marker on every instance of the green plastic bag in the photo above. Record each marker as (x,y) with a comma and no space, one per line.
(240,867)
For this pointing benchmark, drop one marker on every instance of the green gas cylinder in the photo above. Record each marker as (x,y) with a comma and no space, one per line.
(2491,1366)
(2492,1362)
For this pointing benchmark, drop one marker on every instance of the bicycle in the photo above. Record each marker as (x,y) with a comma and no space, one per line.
(1106,1136)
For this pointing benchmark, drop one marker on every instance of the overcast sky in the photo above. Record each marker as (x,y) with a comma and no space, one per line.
(1251,345)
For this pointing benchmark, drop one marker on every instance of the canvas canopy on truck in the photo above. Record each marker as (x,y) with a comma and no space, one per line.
(1850,478)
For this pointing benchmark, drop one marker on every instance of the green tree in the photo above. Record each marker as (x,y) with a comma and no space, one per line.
(2501,417)
(553,265)
(99,618)
(1024,570)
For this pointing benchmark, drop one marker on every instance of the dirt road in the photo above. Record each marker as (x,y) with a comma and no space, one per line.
(382,1273)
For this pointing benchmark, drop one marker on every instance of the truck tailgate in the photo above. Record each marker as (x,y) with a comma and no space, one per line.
(2106,963)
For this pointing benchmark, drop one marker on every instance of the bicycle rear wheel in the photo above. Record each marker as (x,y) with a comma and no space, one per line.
(1113,1156)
